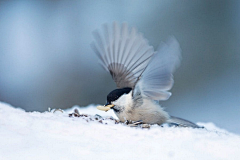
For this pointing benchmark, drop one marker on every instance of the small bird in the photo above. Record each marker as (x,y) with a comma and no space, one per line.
(143,76)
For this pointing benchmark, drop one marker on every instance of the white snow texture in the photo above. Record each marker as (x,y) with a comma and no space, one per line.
(35,135)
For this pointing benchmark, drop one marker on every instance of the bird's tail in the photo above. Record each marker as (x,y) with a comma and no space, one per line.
(182,122)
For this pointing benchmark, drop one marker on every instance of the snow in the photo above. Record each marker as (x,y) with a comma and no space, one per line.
(48,135)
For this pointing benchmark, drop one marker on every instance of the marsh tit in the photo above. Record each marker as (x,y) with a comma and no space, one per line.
(143,76)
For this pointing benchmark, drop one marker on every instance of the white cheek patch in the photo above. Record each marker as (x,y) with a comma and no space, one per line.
(124,100)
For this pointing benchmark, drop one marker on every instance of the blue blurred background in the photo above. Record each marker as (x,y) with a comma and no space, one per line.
(46,59)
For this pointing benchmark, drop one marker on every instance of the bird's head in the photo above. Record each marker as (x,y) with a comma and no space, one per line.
(112,97)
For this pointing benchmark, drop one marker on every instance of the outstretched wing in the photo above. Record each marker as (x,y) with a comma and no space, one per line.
(123,52)
(157,79)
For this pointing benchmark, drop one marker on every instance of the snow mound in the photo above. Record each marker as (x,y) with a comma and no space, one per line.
(48,135)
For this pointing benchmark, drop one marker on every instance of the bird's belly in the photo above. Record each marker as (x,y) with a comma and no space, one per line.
(149,117)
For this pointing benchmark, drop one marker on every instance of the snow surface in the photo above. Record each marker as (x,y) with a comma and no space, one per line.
(48,135)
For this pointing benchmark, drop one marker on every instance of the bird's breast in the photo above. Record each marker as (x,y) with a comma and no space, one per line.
(148,112)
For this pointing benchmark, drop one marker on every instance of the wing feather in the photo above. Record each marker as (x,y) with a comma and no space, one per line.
(157,78)
(123,52)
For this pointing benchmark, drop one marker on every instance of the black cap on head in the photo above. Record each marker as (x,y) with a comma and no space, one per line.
(115,94)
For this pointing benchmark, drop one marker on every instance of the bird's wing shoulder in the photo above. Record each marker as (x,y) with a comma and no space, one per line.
(157,78)
(123,52)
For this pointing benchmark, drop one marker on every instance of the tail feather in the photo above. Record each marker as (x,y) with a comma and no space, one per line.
(182,122)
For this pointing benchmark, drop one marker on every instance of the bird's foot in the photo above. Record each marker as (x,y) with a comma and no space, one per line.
(139,124)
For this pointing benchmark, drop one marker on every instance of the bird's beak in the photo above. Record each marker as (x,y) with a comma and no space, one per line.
(105,107)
